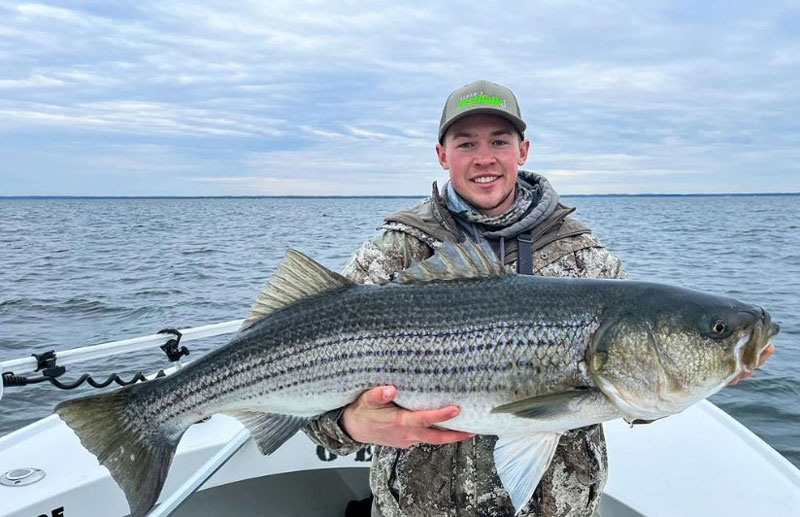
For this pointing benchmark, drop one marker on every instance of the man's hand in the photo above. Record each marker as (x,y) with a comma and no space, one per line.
(373,418)
(763,357)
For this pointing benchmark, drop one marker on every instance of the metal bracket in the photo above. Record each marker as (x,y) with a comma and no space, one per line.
(46,362)
(171,348)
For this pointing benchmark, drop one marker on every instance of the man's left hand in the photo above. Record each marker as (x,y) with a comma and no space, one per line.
(764,356)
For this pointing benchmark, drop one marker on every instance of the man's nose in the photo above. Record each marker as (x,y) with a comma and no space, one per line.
(485,154)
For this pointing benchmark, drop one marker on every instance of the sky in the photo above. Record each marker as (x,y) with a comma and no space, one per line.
(200,98)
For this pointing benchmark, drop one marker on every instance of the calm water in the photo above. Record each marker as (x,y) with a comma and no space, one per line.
(84,271)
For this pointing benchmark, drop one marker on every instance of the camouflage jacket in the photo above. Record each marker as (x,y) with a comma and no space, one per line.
(460,479)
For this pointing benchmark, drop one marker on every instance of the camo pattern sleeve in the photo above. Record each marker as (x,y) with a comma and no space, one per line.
(381,257)
(327,432)
(374,263)
(595,262)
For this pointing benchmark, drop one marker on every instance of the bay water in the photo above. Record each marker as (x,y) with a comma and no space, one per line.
(75,272)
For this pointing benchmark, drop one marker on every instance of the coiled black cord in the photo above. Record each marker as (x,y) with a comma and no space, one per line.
(11,380)
(47,364)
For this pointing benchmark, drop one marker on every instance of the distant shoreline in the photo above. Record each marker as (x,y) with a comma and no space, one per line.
(721,194)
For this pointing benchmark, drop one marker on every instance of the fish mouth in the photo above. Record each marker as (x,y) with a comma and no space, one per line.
(774,328)
(749,347)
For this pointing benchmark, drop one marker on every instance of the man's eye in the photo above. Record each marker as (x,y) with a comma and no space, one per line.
(465,145)
(500,143)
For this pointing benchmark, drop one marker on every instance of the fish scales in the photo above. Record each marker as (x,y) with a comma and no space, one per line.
(313,351)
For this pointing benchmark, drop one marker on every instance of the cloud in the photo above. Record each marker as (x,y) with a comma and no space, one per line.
(146,118)
(47,11)
(277,89)
(36,81)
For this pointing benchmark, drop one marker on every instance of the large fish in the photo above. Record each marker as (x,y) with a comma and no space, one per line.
(525,358)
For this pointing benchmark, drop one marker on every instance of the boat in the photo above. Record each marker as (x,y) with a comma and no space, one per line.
(698,462)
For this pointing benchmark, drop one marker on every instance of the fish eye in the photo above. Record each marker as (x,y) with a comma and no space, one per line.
(719,327)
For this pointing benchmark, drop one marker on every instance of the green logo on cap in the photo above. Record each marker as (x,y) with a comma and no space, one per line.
(481,99)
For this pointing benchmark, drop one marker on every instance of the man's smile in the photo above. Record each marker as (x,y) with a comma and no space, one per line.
(485,179)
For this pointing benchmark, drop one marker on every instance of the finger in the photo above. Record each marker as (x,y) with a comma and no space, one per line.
(441,436)
(740,376)
(429,417)
(766,353)
(378,397)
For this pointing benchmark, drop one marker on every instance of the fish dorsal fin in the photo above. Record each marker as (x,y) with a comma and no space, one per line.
(455,261)
(297,277)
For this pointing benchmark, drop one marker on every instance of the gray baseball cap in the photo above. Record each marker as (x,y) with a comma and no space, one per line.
(481,97)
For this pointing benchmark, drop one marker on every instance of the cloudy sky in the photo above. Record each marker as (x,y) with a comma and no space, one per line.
(199,97)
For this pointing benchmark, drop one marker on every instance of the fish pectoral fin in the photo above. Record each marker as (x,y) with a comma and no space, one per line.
(552,405)
(269,430)
(522,461)
(297,277)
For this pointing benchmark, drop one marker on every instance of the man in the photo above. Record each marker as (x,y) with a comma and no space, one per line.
(419,470)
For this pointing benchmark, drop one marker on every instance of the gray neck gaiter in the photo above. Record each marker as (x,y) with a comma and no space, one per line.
(523,199)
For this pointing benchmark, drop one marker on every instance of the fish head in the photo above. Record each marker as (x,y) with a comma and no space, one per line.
(670,348)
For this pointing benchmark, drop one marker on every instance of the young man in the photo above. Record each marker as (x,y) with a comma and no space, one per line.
(419,470)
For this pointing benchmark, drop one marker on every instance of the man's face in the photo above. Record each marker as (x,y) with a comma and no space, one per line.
(482,153)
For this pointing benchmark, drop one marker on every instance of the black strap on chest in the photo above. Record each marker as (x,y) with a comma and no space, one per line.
(524,254)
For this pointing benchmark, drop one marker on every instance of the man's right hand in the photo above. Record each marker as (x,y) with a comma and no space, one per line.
(374,418)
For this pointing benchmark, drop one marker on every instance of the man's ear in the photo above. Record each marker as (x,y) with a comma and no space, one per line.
(524,147)
(442,155)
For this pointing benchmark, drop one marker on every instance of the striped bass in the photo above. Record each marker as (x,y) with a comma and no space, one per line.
(525,358)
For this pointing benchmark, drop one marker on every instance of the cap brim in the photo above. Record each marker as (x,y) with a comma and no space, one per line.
(517,122)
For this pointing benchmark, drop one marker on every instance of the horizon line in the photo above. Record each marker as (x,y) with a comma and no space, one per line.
(100,196)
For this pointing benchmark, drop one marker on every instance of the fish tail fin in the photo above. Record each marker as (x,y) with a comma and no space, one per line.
(137,454)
